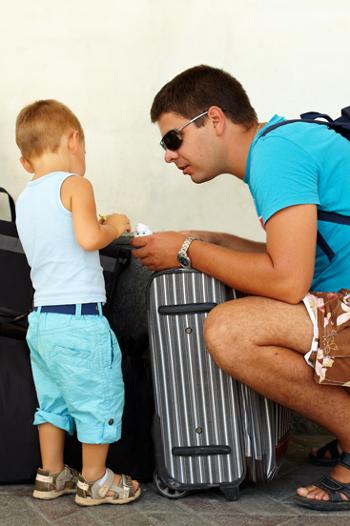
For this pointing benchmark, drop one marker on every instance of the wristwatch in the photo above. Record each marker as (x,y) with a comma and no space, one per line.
(182,257)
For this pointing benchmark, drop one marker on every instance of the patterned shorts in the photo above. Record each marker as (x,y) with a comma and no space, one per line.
(330,351)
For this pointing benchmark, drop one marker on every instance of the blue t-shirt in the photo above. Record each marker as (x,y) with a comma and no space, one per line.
(304,163)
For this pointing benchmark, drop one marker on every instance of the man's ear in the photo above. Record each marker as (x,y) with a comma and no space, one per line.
(217,118)
(26,165)
(74,140)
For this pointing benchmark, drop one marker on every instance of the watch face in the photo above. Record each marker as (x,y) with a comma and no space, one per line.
(184,261)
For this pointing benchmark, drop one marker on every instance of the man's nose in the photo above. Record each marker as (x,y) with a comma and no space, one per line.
(170,156)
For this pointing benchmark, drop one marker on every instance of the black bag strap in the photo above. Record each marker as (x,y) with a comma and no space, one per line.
(330,217)
(341,125)
(312,115)
(290,121)
(333,217)
(123,258)
(322,243)
(11,204)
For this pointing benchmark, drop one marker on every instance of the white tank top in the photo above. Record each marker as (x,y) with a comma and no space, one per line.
(62,272)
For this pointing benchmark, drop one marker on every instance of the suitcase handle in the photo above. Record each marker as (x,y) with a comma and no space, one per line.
(197,451)
(11,204)
(187,308)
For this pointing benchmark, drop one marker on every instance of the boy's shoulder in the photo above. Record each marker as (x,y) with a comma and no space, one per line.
(77,188)
(77,185)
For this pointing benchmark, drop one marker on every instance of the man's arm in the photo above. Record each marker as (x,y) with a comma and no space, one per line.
(78,197)
(283,272)
(227,240)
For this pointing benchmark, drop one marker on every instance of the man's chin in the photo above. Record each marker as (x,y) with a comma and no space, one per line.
(200,178)
(195,179)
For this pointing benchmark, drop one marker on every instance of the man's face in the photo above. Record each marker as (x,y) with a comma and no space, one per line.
(195,157)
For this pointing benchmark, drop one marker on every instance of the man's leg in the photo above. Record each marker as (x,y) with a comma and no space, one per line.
(261,342)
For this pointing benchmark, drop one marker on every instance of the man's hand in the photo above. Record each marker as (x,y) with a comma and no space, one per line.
(158,251)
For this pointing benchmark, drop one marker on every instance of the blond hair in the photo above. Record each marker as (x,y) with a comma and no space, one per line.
(40,126)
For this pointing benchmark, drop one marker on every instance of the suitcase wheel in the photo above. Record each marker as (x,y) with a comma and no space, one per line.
(165,491)
(230,492)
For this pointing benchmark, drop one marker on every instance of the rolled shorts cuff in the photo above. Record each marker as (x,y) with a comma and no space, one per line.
(62,422)
(107,433)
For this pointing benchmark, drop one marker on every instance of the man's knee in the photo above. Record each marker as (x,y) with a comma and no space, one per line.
(221,334)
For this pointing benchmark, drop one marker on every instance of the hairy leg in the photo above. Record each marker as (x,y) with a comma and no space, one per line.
(261,342)
(51,447)
(328,454)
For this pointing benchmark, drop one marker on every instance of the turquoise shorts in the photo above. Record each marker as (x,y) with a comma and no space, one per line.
(76,364)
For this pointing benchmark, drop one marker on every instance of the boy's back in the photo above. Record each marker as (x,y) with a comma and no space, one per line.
(62,271)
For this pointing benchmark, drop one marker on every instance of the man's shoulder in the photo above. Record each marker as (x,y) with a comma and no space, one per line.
(299,134)
(281,147)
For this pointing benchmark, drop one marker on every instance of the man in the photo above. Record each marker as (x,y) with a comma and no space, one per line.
(209,128)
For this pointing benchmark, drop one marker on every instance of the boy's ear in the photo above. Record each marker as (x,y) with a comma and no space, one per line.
(26,165)
(74,140)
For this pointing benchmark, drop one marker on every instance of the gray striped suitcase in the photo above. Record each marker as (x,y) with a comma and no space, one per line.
(266,428)
(209,429)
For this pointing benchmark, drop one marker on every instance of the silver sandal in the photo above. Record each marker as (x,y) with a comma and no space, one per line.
(94,493)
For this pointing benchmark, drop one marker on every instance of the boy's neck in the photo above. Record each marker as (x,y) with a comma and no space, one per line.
(48,163)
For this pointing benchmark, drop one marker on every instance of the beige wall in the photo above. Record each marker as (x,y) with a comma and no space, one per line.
(107,59)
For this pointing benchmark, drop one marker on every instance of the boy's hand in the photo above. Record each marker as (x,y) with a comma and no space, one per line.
(90,233)
(120,222)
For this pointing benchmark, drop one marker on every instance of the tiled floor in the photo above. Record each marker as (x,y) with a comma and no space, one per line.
(266,505)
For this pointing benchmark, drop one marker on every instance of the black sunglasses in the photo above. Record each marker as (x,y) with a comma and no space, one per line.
(173,139)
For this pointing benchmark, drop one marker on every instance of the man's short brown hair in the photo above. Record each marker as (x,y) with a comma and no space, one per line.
(196,89)
(40,126)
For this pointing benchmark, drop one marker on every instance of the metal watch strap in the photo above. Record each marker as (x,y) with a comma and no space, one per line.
(182,256)
(186,244)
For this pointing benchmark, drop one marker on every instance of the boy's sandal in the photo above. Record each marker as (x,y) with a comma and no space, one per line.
(95,493)
(320,458)
(50,486)
(333,488)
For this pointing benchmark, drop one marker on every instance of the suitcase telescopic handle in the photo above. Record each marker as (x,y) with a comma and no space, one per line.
(187,308)
(11,203)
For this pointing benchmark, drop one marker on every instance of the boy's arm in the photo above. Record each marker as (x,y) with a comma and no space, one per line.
(283,272)
(77,192)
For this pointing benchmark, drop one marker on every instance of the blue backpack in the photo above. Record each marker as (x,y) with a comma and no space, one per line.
(340,125)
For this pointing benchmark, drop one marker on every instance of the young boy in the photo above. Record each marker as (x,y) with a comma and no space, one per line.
(75,356)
